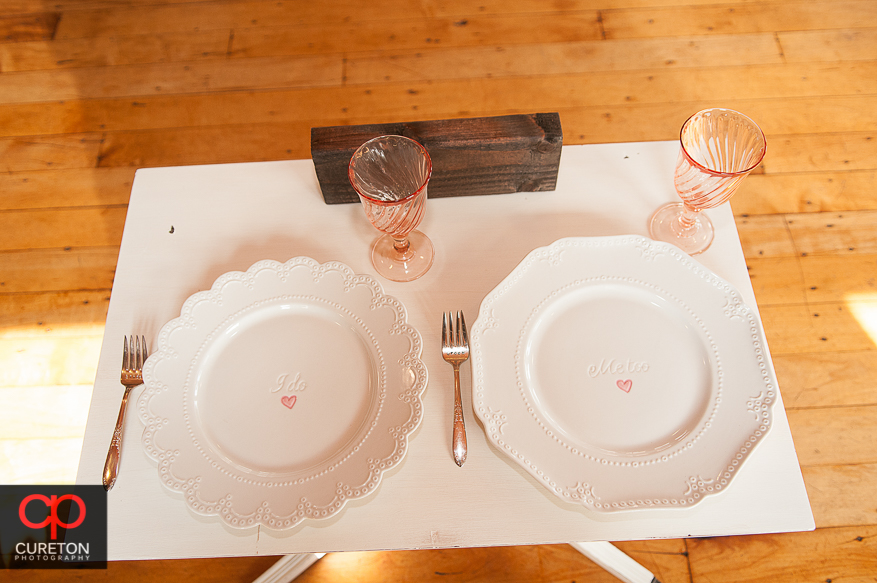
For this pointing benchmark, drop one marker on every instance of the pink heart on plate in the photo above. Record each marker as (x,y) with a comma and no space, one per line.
(289,400)
(624,385)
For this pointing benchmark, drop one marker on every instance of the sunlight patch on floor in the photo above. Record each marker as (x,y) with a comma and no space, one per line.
(353,565)
(863,306)
(46,380)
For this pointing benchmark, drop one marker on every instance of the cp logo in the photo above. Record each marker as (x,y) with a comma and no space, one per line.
(52,504)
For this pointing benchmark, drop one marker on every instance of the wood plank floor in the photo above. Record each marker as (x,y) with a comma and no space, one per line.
(90,90)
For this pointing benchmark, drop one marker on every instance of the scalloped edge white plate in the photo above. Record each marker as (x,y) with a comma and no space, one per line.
(621,374)
(281,393)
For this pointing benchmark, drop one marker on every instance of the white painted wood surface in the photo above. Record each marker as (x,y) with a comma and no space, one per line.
(188,225)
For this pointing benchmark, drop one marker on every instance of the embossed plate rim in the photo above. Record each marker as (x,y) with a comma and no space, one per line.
(677,478)
(280,502)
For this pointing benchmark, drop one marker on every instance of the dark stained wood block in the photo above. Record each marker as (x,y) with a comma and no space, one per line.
(471,156)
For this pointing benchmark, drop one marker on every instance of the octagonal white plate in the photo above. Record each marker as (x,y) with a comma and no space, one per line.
(281,393)
(621,374)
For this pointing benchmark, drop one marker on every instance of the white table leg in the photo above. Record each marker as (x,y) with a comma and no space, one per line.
(615,562)
(289,567)
(603,554)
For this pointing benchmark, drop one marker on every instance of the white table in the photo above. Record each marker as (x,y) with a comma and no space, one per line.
(188,225)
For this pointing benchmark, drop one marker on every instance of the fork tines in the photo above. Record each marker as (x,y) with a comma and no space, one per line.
(458,337)
(134,358)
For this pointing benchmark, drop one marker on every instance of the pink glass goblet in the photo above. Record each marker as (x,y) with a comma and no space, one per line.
(390,174)
(719,148)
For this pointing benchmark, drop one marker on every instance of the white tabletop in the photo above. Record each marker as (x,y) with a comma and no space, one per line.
(188,225)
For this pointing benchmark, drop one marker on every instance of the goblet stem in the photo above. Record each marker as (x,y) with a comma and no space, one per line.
(687,220)
(402,247)
(684,226)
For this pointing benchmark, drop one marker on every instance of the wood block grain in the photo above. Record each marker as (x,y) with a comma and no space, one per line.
(472,156)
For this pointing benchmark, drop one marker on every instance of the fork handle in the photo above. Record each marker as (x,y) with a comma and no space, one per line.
(459,426)
(111,467)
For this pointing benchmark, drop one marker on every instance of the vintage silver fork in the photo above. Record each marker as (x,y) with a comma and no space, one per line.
(455,350)
(133,357)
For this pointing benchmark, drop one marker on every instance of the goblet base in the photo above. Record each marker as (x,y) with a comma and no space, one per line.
(665,225)
(392,265)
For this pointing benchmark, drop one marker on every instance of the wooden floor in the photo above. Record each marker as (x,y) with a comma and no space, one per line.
(90,90)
